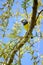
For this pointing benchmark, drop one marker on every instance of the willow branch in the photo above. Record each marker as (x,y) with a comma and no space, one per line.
(39,14)
(27,36)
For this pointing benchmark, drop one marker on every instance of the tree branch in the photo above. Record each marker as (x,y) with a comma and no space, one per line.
(27,36)
(39,14)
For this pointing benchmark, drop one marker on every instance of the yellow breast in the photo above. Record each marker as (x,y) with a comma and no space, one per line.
(26,27)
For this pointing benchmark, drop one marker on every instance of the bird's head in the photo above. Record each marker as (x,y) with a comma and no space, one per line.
(24,21)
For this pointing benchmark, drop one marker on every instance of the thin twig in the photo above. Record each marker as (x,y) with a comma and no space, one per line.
(39,14)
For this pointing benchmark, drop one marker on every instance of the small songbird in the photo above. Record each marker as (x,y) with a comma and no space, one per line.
(26,24)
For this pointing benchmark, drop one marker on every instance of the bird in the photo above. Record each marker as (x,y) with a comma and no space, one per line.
(26,24)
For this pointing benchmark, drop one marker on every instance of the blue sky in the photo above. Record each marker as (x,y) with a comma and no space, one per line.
(26,57)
